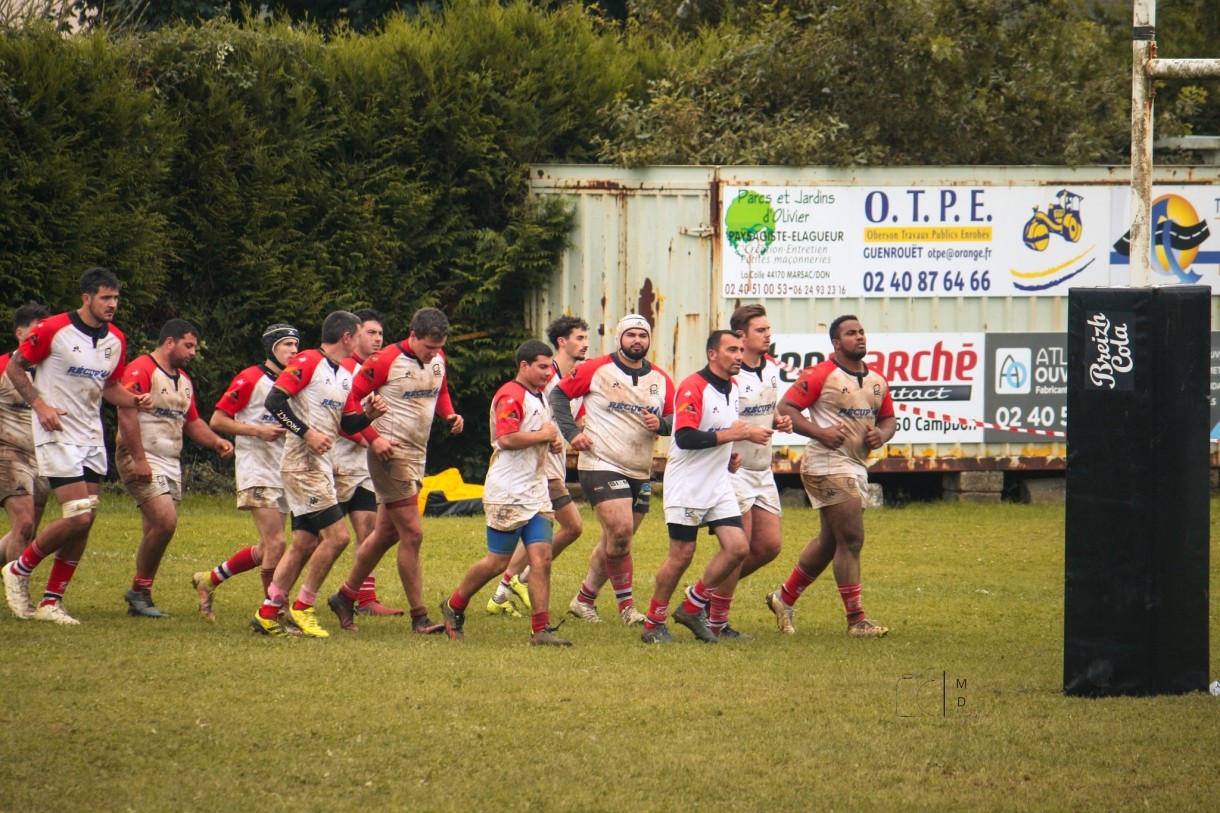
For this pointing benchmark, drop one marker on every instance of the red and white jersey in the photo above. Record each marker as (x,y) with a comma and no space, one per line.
(557,463)
(16,417)
(759,393)
(258,461)
(517,476)
(74,363)
(173,406)
(319,388)
(413,392)
(699,478)
(831,395)
(350,457)
(615,397)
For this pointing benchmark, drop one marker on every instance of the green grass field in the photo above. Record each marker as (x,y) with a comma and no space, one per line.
(145,715)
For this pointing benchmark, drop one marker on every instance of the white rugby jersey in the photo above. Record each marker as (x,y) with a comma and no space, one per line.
(699,478)
(16,417)
(318,389)
(74,363)
(615,397)
(833,395)
(414,392)
(258,461)
(517,476)
(173,402)
(759,393)
(350,457)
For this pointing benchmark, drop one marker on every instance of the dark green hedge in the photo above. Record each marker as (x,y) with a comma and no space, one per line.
(240,176)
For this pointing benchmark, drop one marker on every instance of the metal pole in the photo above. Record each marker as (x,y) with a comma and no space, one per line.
(1143,50)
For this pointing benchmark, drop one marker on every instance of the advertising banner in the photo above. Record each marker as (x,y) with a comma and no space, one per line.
(892,241)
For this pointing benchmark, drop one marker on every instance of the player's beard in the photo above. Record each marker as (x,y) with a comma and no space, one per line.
(635,355)
(854,355)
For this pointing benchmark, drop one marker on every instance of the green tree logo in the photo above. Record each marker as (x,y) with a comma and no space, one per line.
(750,226)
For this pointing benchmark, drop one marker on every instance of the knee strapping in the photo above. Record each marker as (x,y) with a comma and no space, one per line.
(75,508)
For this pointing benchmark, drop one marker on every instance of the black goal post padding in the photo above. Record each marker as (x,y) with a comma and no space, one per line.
(1136,553)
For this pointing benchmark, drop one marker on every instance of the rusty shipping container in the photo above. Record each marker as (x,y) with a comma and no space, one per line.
(959,275)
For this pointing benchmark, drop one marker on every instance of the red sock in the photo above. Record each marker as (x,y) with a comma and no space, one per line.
(540,621)
(718,611)
(348,593)
(657,613)
(274,603)
(245,559)
(587,594)
(620,569)
(850,593)
(697,598)
(796,584)
(61,574)
(457,603)
(29,559)
(368,591)
(139,584)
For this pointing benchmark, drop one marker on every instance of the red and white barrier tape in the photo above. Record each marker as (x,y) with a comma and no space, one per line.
(924,413)
(904,407)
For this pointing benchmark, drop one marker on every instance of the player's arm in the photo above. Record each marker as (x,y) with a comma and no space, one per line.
(18,373)
(561,409)
(279,404)
(886,424)
(115,393)
(444,408)
(228,425)
(508,427)
(201,433)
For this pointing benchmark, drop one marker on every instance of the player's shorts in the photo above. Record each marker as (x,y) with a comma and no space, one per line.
(310,491)
(539,529)
(395,480)
(831,489)
(559,494)
(262,497)
(362,499)
(501,517)
(346,485)
(600,486)
(68,462)
(159,486)
(756,489)
(19,476)
(723,512)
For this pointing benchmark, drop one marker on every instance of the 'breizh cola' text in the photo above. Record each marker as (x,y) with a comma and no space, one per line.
(1113,351)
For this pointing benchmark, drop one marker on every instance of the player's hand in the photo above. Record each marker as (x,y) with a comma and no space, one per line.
(382,449)
(734,462)
(224,448)
(267,432)
(142,471)
(557,446)
(375,407)
(760,435)
(456,424)
(835,436)
(548,433)
(582,442)
(783,423)
(651,421)
(738,430)
(873,438)
(48,416)
(144,401)
(317,442)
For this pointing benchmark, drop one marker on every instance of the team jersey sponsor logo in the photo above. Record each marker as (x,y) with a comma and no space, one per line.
(760,409)
(622,406)
(88,372)
(163,412)
(424,393)
(331,403)
(856,412)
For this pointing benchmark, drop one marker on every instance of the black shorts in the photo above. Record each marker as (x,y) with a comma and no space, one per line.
(600,486)
(362,500)
(317,521)
(689,533)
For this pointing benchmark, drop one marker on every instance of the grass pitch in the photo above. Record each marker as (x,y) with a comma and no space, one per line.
(960,708)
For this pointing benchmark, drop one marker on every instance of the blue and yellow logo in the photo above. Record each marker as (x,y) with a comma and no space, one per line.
(1177,233)
(1062,219)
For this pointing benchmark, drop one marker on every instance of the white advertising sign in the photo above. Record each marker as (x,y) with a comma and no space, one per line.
(847,241)
(937,372)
